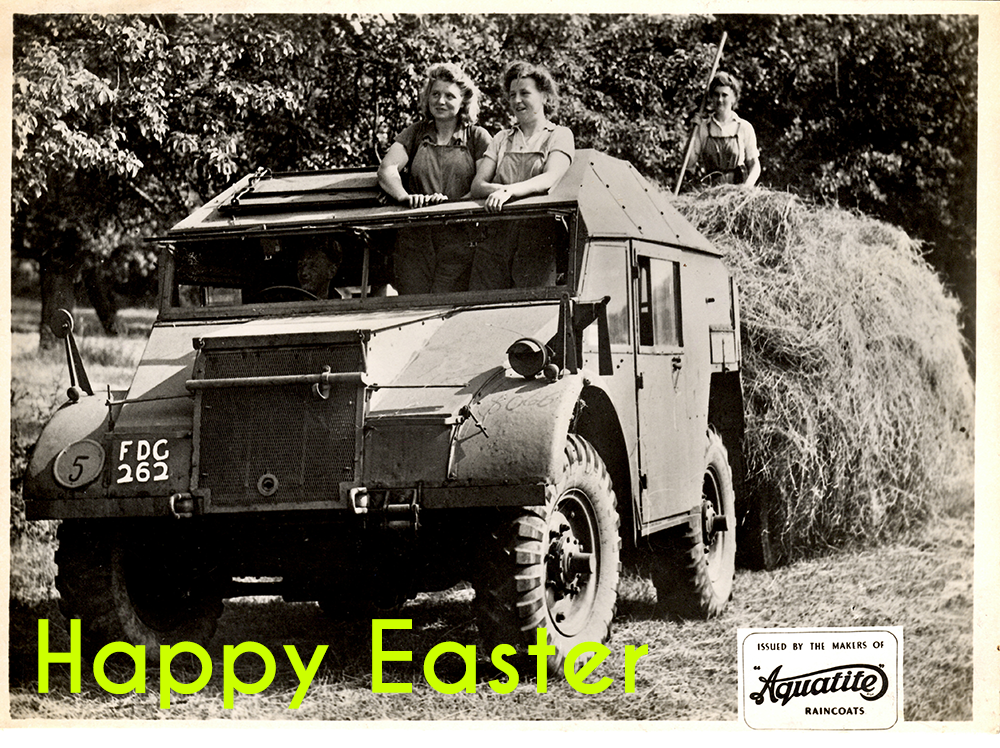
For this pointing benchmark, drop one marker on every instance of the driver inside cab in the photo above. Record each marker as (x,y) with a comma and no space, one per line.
(316,268)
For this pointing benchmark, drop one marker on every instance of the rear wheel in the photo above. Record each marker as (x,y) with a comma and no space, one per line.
(694,564)
(556,566)
(133,582)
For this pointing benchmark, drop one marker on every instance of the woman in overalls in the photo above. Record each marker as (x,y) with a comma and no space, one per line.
(725,146)
(442,152)
(526,159)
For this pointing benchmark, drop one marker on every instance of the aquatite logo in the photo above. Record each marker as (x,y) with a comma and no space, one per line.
(821,679)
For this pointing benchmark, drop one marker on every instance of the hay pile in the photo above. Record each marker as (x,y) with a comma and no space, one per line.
(859,401)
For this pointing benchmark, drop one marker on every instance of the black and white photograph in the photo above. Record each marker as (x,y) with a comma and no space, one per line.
(552,367)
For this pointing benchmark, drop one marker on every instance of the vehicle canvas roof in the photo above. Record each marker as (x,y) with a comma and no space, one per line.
(614,200)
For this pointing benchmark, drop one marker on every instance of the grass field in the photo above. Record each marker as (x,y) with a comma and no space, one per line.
(690,673)
(924,585)
(25,314)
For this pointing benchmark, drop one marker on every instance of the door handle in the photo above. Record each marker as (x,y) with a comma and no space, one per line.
(677,362)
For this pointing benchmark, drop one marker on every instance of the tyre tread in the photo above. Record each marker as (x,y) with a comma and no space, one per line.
(680,565)
(510,589)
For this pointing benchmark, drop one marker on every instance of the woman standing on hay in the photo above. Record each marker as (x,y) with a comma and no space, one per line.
(442,152)
(725,146)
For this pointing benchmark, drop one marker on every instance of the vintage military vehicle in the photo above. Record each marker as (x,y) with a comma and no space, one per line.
(358,449)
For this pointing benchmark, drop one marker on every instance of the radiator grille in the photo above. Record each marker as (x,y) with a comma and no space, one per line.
(307,443)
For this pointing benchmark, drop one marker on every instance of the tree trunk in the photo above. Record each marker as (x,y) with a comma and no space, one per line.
(58,273)
(101,298)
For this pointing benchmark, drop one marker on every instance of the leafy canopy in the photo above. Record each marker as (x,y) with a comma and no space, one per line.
(123,124)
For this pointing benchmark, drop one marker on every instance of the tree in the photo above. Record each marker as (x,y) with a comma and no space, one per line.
(875,113)
(123,124)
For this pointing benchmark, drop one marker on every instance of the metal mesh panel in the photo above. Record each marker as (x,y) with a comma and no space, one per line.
(308,444)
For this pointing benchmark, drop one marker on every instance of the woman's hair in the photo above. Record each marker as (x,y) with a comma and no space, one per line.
(543,81)
(324,245)
(468,112)
(725,79)
(332,249)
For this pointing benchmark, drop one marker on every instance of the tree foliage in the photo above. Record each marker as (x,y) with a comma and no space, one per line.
(877,113)
(123,124)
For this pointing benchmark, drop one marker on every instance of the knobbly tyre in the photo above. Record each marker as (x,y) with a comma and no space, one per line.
(355,451)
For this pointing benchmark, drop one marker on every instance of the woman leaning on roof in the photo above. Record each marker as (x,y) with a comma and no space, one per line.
(725,146)
(526,159)
(442,152)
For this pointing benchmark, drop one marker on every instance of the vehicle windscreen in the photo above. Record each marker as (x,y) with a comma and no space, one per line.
(419,259)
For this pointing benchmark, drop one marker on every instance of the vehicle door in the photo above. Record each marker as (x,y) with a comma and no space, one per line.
(668,455)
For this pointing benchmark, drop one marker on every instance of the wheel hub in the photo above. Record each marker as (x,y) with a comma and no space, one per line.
(567,561)
(712,523)
(569,566)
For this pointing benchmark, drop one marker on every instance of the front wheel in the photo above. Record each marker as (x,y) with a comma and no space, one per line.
(137,582)
(555,566)
(694,564)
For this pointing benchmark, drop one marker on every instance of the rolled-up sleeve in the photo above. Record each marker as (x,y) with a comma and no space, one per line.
(493,149)
(481,141)
(750,150)
(408,138)
(562,140)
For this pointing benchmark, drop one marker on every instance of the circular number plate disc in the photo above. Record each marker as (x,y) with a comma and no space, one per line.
(79,464)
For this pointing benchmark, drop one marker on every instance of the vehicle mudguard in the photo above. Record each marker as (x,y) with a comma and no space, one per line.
(73,422)
(515,432)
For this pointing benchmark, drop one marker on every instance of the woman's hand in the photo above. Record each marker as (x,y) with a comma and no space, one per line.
(420,201)
(495,200)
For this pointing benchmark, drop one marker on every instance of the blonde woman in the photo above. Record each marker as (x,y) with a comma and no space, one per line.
(441,154)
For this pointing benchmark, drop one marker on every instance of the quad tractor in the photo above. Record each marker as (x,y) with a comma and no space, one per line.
(359,449)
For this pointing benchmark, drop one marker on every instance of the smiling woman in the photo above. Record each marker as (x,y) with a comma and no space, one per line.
(531,156)
(725,146)
(527,159)
(431,162)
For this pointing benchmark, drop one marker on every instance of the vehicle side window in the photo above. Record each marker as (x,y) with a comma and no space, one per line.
(607,275)
(659,303)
